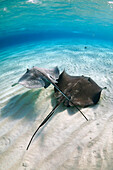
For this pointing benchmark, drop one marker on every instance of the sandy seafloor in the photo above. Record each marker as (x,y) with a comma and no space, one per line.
(67,141)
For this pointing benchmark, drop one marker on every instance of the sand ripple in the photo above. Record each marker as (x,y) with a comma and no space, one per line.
(67,141)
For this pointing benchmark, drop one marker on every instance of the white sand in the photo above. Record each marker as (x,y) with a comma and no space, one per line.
(67,141)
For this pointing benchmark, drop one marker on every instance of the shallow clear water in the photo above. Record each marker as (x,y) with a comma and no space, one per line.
(39,19)
(47,34)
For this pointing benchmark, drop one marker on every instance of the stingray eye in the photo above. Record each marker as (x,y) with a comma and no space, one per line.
(89,79)
(27,70)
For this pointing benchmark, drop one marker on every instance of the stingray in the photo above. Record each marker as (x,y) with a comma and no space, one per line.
(38,77)
(81,90)
(77,91)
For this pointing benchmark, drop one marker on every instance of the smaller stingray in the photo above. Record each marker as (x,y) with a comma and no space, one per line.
(38,77)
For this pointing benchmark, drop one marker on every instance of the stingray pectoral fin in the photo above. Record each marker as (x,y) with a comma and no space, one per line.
(56,72)
(52,79)
(32,79)
(88,103)
(83,102)
(52,74)
(46,84)
(96,97)
(104,88)
(33,83)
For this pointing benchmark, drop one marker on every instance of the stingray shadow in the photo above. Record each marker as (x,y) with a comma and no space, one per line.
(60,109)
(53,103)
(71,110)
(21,105)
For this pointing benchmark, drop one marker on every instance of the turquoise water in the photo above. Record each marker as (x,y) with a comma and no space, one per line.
(48,34)
(29,20)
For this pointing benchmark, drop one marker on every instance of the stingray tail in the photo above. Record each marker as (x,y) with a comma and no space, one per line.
(44,121)
(14,84)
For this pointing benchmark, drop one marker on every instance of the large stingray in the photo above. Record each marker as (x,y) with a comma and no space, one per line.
(81,90)
(71,90)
